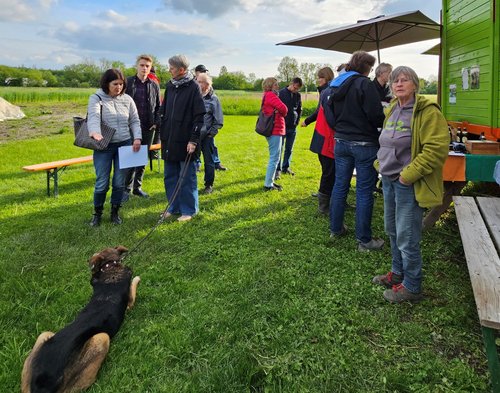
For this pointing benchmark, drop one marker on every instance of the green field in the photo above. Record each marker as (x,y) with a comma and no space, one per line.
(250,296)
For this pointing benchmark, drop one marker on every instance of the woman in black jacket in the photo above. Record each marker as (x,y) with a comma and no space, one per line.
(182,119)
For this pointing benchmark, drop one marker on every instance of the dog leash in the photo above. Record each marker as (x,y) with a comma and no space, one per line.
(162,216)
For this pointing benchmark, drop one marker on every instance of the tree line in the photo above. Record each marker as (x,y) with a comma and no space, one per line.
(88,74)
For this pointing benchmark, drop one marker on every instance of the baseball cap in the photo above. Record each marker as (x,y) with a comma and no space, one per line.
(201,68)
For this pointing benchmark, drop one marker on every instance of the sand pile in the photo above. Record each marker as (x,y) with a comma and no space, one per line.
(9,111)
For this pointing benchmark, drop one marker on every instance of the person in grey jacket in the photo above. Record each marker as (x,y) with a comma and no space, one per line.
(117,110)
(213,121)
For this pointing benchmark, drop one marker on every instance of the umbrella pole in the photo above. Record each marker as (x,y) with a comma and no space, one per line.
(377,40)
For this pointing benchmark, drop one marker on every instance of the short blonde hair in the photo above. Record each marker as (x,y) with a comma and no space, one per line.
(144,57)
(268,83)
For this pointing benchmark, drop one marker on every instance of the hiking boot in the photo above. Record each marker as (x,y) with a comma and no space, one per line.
(388,280)
(277,175)
(323,203)
(399,294)
(208,190)
(96,218)
(287,171)
(374,244)
(220,167)
(115,218)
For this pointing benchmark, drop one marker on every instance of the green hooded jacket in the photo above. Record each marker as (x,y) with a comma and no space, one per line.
(429,149)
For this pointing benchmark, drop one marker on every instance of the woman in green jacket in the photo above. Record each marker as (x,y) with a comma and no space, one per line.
(413,148)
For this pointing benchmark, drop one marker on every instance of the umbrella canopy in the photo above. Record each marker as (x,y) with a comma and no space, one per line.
(435,50)
(373,34)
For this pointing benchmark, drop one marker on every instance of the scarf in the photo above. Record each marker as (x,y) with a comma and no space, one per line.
(185,79)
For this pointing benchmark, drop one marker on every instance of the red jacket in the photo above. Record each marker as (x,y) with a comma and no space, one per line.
(272,102)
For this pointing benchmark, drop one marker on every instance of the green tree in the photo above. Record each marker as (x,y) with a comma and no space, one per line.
(288,69)
(307,72)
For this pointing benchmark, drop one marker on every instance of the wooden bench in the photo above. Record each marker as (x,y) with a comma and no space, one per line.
(479,223)
(54,168)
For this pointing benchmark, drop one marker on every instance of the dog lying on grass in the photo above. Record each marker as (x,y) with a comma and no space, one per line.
(69,360)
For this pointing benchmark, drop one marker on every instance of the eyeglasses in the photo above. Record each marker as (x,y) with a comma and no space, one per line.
(402,80)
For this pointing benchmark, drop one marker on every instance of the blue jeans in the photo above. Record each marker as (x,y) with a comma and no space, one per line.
(215,152)
(103,161)
(350,155)
(209,165)
(287,146)
(274,142)
(186,200)
(403,224)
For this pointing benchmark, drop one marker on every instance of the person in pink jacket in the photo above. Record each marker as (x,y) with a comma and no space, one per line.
(272,103)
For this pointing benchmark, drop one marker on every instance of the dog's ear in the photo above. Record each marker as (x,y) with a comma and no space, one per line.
(121,249)
(95,262)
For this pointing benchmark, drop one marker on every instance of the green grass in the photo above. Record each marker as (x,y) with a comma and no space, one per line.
(248,297)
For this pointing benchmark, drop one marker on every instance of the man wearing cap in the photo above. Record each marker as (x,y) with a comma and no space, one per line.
(201,69)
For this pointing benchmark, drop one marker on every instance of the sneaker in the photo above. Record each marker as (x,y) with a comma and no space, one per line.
(166,215)
(343,232)
(277,175)
(125,196)
(388,280)
(140,193)
(220,167)
(374,244)
(184,218)
(274,187)
(208,190)
(399,294)
(287,171)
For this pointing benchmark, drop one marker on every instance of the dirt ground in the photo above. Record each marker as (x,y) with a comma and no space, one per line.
(41,119)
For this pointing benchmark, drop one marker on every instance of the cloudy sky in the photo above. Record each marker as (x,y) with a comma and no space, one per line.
(238,34)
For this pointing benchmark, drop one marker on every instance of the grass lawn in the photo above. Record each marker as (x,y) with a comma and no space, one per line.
(248,297)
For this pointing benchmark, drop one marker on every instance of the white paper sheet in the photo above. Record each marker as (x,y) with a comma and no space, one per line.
(130,159)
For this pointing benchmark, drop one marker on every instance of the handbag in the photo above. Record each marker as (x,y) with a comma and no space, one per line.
(82,137)
(265,123)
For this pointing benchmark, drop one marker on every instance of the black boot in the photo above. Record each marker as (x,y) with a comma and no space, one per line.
(96,218)
(115,218)
(323,203)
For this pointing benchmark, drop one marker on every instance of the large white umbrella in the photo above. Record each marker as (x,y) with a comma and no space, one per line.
(373,34)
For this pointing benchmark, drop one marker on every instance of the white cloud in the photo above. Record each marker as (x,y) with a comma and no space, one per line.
(16,11)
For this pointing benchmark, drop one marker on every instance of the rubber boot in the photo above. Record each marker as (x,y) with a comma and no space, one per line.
(323,203)
(115,218)
(96,218)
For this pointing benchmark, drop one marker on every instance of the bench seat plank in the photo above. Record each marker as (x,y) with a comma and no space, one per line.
(483,261)
(47,166)
(490,209)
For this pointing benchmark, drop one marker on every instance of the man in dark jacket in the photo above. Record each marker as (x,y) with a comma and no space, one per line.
(146,95)
(382,73)
(182,115)
(291,98)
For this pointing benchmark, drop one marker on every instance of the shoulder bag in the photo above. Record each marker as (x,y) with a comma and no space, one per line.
(265,124)
(82,138)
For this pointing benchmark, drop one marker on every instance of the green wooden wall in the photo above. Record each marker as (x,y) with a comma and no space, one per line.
(470,40)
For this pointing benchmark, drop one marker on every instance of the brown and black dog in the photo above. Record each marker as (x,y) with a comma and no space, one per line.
(69,360)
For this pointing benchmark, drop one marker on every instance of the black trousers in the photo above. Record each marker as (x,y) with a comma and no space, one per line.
(327,174)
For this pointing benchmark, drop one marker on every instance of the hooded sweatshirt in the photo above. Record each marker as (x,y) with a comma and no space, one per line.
(429,150)
(357,109)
